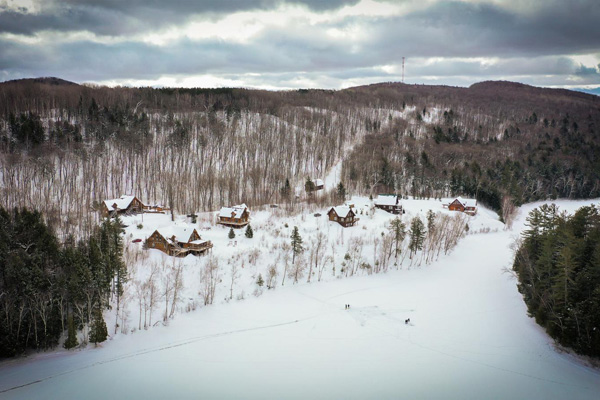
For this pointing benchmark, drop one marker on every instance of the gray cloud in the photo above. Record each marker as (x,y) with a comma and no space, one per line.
(587,71)
(457,29)
(528,46)
(118,17)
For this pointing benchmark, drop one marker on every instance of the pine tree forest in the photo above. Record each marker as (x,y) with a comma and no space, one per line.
(48,287)
(558,265)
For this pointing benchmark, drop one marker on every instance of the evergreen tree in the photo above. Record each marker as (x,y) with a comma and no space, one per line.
(231,234)
(296,243)
(116,267)
(30,265)
(309,185)
(558,265)
(430,221)
(286,190)
(98,330)
(71,333)
(341,191)
(249,232)
(27,129)
(417,235)
(260,281)
(398,231)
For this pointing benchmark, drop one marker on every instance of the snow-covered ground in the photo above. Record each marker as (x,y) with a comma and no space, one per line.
(469,335)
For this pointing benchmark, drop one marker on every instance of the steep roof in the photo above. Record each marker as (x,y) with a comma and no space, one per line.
(121,203)
(342,211)
(181,233)
(467,202)
(233,212)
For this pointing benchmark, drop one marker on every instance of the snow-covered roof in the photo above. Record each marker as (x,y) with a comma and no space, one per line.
(386,200)
(467,202)
(233,212)
(342,211)
(318,182)
(198,241)
(181,233)
(121,203)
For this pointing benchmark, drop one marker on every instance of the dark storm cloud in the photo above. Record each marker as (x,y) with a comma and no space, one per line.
(456,29)
(534,41)
(118,17)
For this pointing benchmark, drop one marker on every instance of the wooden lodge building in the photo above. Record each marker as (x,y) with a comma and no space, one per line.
(235,217)
(128,204)
(156,209)
(343,215)
(317,184)
(178,241)
(122,205)
(389,203)
(468,206)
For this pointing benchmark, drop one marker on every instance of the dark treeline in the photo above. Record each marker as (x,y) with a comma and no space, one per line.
(64,147)
(47,288)
(558,265)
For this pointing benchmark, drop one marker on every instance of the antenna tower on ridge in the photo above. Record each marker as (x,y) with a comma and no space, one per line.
(402,69)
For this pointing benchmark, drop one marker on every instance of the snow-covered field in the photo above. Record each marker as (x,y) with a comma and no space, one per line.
(469,335)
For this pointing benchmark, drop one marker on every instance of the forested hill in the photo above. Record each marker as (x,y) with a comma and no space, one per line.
(66,146)
(494,140)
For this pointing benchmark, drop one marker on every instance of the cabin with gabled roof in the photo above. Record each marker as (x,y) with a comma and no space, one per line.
(389,203)
(468,206)
(343,215)
(313,185)
(234,217)
(178,241)
(319,184)
(126,204)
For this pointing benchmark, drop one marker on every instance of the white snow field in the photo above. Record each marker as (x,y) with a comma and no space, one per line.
(469,338)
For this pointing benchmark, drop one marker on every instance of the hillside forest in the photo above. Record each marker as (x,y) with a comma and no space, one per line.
(64,147)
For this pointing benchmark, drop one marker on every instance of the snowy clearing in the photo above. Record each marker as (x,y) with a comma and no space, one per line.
(469,335)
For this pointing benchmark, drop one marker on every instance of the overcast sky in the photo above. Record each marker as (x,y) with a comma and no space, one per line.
(286,44)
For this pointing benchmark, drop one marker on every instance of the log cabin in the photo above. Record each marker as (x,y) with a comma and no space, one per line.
(178,241)
(156,209)
(389,203)
(126,204)
(234,217)
(468,206)
(343,215)
(312,185)
(319,185)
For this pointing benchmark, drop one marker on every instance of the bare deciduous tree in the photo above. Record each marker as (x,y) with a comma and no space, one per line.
(509,212)
(316,253)
(272,275)
(234,275)
(209,278)
(297,269)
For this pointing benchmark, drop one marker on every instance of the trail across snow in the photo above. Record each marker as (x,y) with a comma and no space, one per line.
(469,337)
